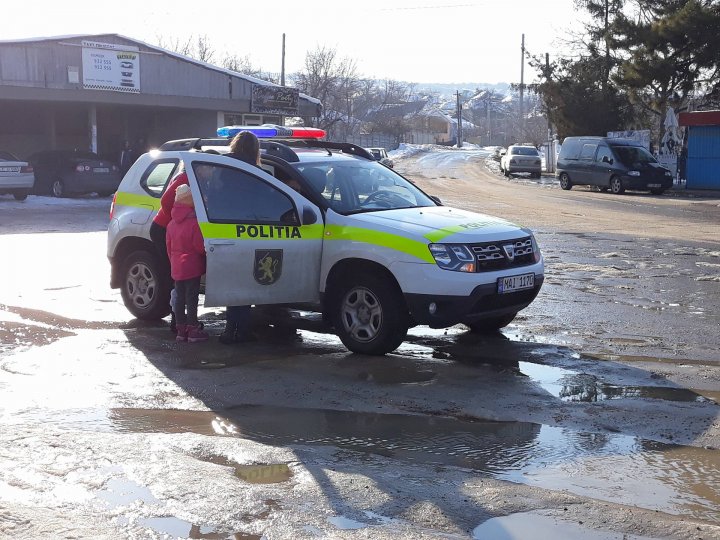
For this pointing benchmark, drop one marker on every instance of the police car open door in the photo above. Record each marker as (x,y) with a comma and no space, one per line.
(258,249)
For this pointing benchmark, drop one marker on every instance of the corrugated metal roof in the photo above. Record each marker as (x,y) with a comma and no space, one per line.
(179,56)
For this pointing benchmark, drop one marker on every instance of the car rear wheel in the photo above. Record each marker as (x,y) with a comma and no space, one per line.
(657,191)
(369,315)
(21,194)
(58,188)
(488,326)
(565,182)
(616,185)
(145,288)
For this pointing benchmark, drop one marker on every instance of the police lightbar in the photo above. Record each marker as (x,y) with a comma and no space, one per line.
(268,131)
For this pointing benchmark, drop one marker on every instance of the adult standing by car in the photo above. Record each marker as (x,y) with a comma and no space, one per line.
(245,146)
(127,158)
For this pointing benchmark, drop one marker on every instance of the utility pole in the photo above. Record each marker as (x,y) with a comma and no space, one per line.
(282,69)
(459,119)
(522,88)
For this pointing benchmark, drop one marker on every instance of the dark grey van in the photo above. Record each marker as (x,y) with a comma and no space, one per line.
(614,164)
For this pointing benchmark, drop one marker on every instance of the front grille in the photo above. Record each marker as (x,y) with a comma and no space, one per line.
(499,255)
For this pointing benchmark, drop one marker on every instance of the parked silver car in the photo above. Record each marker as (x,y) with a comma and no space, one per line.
(16,176)
(521,159)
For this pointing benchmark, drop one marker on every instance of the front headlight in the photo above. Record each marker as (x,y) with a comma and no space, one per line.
(536,249)
(456,257)
(633,173)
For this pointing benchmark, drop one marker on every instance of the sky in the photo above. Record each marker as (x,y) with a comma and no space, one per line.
(422,41)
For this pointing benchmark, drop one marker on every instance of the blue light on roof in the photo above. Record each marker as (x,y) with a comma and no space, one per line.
(269,131)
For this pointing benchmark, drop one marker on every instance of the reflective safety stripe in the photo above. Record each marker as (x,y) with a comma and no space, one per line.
(438,235)
(261,232)
(140,201)
(369,236)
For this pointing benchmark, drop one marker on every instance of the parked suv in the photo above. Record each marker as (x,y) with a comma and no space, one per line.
(521,159)
(607,163)
(351,239)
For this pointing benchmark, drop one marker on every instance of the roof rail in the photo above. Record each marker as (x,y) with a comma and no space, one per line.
(347,148)
(181,145)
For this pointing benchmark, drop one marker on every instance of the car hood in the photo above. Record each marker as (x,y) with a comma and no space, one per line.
(443,224)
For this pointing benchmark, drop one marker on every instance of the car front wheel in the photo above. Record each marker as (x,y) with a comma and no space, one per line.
(20,195)
(369,315)
(145,288)
(565,182)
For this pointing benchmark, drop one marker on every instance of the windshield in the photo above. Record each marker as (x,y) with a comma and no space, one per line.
(523,151)
(633,156)
(362,186)
(376,153)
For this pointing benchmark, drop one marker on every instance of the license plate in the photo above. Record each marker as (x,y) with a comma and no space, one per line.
(516,283)
(653,185)
(101,169)
(9,169)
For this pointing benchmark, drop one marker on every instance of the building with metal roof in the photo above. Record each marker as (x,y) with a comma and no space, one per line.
(93,92)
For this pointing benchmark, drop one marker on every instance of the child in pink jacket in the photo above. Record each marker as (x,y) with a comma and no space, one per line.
(186,251)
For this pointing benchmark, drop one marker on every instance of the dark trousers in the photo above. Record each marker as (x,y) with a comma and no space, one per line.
(238,317)
(157,235)
(186,305)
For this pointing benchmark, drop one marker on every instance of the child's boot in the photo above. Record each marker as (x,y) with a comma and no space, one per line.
(195,335)
(182,332)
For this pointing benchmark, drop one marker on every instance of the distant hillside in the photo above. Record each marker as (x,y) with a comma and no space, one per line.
(450,88)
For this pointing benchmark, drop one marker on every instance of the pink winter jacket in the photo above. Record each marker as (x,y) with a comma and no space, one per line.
(185,244)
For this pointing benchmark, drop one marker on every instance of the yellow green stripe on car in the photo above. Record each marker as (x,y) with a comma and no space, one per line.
(123,198)
(440,234)
(378,238)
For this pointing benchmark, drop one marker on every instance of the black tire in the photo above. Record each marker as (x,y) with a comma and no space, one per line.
(57,188)
(565,182)
(536,175)
(369,314)
(488,326)
(21,194)
(657,191)
(616,185)
(145,288)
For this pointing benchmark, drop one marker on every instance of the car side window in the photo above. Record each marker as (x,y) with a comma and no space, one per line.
(157,176)
(604,152)
(588,151)
(235,196)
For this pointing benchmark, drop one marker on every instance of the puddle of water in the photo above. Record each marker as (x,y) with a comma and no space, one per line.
(254,474)
(398,375)
(524,525)
(122,491)
(179,528)
(612,467)
(573,386)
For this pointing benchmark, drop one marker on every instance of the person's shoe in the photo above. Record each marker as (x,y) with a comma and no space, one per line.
(182,332)
(195,334)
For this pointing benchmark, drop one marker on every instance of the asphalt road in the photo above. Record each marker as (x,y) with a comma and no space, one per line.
(593,415)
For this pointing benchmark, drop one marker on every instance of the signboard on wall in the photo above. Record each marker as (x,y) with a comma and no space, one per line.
(275,100)
(107,66)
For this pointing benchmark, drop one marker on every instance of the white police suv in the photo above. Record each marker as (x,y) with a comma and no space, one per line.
(323,226)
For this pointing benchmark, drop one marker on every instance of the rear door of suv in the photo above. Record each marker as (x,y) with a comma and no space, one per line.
(258,249)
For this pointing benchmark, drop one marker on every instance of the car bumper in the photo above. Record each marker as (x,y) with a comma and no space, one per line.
(80,184)
(20,181)
(525,168)
(482,303)
(639,182)
(460,296)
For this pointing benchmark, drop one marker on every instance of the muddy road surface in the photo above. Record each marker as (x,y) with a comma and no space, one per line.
(594,415)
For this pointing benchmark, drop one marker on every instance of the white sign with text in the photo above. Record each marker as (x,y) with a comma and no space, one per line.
(110,67)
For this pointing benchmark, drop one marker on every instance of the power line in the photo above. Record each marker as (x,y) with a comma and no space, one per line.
(426,7)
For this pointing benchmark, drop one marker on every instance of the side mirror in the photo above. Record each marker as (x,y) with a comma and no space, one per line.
(607,160)
(309,216)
